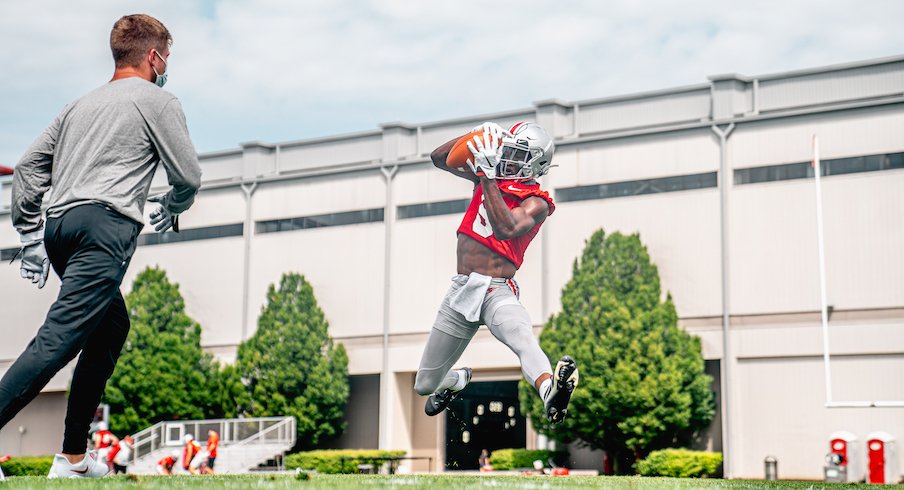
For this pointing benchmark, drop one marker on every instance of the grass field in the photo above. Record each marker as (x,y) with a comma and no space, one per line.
(432,482)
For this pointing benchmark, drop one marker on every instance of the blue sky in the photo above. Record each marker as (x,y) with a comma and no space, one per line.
(277,70)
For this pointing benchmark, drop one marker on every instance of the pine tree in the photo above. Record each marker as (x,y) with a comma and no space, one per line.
(643,385)
(291,366)
(162,373)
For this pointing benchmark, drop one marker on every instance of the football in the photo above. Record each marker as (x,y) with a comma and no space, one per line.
(460,154)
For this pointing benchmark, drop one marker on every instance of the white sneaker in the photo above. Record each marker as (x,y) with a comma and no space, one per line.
(89,467)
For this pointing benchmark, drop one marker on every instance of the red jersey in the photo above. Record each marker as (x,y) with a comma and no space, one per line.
(104,439)
(477,226)
(191,449)
(114,451)
(212,442)
(167,462)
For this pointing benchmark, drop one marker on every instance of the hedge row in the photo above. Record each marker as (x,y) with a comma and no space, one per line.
(512,459)
(27,466)
(337,461)
(680,463)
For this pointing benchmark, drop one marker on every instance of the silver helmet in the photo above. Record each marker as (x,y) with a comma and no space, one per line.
(526,153)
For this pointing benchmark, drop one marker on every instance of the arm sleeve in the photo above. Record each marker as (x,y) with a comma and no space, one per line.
(177,153)
(32,179)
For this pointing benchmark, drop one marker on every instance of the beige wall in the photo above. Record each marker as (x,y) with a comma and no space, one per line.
(780,410)
(773,243)
(212,291)
(42,427)
(679,229)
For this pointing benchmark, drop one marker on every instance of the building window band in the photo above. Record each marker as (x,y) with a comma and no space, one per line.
(319,221)
(190,235)
(410,211)
(637,187)
(833,166)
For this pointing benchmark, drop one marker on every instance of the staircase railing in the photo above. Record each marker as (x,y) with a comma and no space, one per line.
(282,432)
(241,431)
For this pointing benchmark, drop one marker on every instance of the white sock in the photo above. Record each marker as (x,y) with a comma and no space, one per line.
(455,380)
(545,388)
(462,381)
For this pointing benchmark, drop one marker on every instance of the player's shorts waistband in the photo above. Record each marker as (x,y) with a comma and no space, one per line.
(494,283)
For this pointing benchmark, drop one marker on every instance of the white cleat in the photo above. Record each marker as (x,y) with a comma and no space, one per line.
(89,467)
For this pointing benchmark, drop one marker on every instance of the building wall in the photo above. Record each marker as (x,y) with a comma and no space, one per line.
(771,378)
(38,429)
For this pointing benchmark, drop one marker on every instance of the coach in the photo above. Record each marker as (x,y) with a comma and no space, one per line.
(99,155)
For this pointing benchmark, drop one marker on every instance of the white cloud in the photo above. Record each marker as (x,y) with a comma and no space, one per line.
(277,70)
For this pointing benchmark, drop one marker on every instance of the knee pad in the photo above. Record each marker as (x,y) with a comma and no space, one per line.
(425,383)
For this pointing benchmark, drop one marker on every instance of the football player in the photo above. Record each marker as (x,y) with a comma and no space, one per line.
(505,214)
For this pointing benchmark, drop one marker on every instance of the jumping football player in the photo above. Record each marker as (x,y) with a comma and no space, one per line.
(506,212)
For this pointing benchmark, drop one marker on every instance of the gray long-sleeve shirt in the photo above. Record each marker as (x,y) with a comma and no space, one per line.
(104,148)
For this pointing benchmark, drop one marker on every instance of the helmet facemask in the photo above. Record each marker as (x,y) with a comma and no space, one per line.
(514,160)
(525,153)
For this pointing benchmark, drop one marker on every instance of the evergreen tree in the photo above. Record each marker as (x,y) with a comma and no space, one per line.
(230,396)
(643,385)
(291,366)
(162,373)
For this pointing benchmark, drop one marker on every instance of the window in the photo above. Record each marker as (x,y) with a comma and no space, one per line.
(804,170)
(772,173)
(432,208)
(319,221)
(192,234)
(868,163)
(637,187)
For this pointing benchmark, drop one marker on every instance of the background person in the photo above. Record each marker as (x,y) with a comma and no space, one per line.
(484,461)
(213,441)
(165,465)
(120,457)
(104,443)
(100,154)
(189,452)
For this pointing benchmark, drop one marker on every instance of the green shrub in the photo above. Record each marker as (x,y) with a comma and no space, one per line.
(511,459)
(680,463)
(337,461)
(27,466)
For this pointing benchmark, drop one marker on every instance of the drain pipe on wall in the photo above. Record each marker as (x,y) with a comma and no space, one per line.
(727,359)
(247,192)
(385,428)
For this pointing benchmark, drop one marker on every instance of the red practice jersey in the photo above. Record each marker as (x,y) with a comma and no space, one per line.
(212,442)
(477,226)
(167,462)
(191,449)
(103,438)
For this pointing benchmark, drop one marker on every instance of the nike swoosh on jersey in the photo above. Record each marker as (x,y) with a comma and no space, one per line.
(80,472)
(513,188)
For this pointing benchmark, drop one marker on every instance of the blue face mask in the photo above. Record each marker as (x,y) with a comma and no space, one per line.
(160,81)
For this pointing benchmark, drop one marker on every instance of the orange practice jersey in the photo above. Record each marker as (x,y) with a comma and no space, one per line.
(191,449)
(212,443)
(477,226)
(167,462)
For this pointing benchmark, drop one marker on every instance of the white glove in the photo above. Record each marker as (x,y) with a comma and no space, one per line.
(485,149)
(161,218)
(35,264)
(489,125)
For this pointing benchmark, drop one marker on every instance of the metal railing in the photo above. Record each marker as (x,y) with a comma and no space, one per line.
(241,431)
(282,432)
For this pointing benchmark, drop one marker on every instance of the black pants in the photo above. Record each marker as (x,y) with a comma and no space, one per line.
(90,247)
